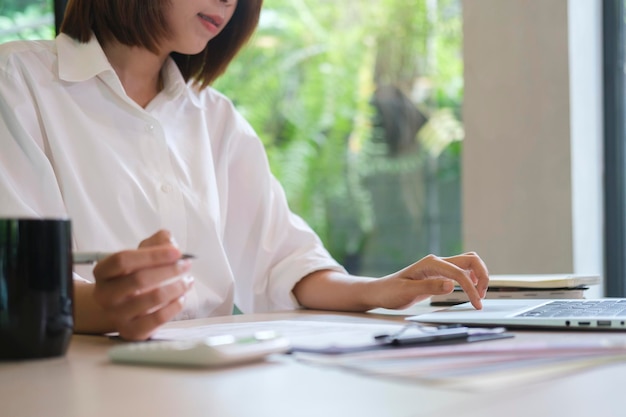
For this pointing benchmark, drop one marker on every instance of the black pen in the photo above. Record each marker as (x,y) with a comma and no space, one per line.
(93,257)
(425,335)
(440,335)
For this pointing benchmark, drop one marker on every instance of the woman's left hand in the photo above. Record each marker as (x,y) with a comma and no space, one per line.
(433,275)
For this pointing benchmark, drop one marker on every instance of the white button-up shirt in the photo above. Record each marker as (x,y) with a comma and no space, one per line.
(73,144)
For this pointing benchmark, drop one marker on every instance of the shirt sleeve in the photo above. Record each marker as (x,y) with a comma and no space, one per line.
(28,186)
(269,247)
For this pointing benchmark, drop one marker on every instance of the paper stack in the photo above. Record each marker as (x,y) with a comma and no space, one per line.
(526,287)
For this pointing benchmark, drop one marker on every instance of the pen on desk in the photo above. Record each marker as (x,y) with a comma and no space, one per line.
(93,257)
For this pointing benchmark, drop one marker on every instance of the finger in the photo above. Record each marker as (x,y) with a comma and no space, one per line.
(471,261)
(127,262)
(154,299)
(477,267)
(143,327)
(162,237)
(481,285)
(445,268)
(112,292)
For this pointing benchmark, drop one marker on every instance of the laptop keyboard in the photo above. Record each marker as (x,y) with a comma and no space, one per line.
(579,308)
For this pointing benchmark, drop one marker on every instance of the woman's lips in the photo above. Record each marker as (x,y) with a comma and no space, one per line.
(211,22)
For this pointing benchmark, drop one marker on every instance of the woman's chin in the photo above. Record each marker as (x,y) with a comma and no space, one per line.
(192,50)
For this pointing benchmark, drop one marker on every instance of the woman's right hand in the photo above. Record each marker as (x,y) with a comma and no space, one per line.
(141,289)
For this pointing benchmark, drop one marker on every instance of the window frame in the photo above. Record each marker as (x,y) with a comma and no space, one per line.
(614,147)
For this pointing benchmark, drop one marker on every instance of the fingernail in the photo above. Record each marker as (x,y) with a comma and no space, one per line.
(188,280)
(173,241)
(181,299)
(183,265)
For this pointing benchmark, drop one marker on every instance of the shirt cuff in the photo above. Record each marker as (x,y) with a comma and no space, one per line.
(285,278)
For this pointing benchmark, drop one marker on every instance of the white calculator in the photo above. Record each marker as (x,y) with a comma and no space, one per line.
(209,352)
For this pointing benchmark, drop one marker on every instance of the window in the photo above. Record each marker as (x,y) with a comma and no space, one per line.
(358,104)
(26,19)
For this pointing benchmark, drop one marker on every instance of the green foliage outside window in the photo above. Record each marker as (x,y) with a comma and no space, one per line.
(309,83)
(26,19)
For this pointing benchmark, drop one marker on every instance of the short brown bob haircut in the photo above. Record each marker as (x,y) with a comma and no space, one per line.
(142,23)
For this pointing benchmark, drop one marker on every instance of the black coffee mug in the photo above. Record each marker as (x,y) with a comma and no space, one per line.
(36,290)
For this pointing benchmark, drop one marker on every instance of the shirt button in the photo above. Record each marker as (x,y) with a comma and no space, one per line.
(149,128)
(166,188)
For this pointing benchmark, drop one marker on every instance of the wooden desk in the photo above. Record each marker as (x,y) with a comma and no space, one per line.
(85,384)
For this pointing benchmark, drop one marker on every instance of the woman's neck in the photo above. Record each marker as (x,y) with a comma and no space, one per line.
(138,69)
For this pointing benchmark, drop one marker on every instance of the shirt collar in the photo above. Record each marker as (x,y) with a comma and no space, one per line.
(80,61)
(173,82)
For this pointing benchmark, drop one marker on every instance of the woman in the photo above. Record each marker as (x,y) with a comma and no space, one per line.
(114,125)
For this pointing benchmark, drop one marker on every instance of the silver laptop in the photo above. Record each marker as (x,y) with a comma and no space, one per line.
(605,314)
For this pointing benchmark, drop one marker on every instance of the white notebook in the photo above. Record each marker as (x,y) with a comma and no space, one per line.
(543,281)
(458,295)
